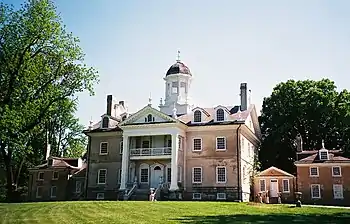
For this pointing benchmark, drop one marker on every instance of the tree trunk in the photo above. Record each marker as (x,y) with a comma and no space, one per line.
(8,169)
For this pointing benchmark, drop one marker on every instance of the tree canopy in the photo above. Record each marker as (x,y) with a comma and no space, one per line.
(41,70)
(313,109)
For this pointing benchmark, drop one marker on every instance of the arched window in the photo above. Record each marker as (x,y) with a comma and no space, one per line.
(105,122)
(220,114)
(197,116)
(150,118)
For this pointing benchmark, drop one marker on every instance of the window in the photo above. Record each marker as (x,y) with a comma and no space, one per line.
(221,196)
(220,174)
(262,185)
(104,148)
(55,175)
(197,116)
(323,155)
(336,171)
(197,175)
(144,175)
(78,187)
(53,191)
(314,171)
(175,86)
(149,118)
(39,192)
(100,196)
(121,148)
(220,143)
(102,176)
(145,144)
(41,176)
(315,191)
(220,115)
(105,122)
(285,185)
(338,191)
(169,175)
(197,196)
(169,143)
(197,144)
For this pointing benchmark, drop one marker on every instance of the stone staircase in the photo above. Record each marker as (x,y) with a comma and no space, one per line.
(140,195)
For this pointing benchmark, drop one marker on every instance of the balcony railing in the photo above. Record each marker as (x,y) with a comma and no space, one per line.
(151,151)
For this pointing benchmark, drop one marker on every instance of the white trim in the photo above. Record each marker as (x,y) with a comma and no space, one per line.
(220,198)
(221,182)
(310,174)
(121,147)
(276,169)
(193,120)
(319,189)
(197,182)
(323,151)
(287,191)
(196,198)
(264,185)
(101,148)
(342,191)
(100,196)
(76,184)
(216,143)
(193,144)
(339,171)
(224,109)
(38,177)
(98,176)
(51,190)
(346,163)
(144,166)
(53,175)
(37,191)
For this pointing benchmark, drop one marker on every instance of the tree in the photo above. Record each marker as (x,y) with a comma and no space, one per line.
(313,109)
(41,65)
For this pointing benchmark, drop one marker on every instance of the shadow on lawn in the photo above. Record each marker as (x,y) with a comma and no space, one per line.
(275,218)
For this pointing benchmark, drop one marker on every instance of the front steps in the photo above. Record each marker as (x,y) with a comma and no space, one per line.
(140,195)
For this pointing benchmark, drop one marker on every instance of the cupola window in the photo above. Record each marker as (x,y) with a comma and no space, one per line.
(105,122)
(220,114)
(197,116)
(323,155)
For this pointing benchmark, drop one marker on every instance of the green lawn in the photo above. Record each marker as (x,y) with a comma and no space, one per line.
(166,212)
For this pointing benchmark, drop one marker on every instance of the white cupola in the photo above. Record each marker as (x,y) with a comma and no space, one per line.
(177,84)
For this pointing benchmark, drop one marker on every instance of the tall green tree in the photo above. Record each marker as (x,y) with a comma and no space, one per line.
(313,109)
(41,65)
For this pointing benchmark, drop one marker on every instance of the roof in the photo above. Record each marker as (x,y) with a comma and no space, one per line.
(274,171)
(178,67)
(60,162)
(332,158)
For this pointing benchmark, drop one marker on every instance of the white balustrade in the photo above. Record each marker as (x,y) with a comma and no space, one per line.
(150,151)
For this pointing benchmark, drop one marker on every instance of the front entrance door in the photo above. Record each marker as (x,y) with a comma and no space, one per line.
(273,188)
(156,174)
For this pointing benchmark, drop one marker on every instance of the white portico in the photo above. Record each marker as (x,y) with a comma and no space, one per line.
(151,140)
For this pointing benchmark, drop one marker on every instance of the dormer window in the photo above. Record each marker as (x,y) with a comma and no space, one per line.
(220,115)
(197,116)
(323,154)
(105,122)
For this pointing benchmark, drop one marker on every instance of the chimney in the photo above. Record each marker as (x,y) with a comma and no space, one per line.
(109,105)
(48,151)
(121,103)
(243,96)
(299,143)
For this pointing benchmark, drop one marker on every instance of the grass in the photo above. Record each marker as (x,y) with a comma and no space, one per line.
(166,212)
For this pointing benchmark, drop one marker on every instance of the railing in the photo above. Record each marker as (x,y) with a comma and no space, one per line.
(150,151)
(129,193)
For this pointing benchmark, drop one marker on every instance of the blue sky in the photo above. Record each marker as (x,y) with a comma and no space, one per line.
(133,43)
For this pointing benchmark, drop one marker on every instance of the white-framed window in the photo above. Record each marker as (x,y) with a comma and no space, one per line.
(338,191)
(168,175)
(221,196)
(53,192)
(196,196)
(39,192)
(55,175)
(220,143)
(100,196)
(102,176)
(144,173)
(78,187)
(197,175)
(315,191)
(41,176)
(103,148)
(262,184)
(220,174)
(220,115)
(336,171)
(324,155)
(197,144)
(121,148)
(119,176)
(314,172)
(286,187)
(197,116)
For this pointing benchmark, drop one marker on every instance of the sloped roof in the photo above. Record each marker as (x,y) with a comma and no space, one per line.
(274,171)
(315,159)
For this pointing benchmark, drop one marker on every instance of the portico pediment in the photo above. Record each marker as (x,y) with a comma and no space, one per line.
(148,115)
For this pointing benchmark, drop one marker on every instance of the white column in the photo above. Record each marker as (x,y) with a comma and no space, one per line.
(125,162)
(174,158)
